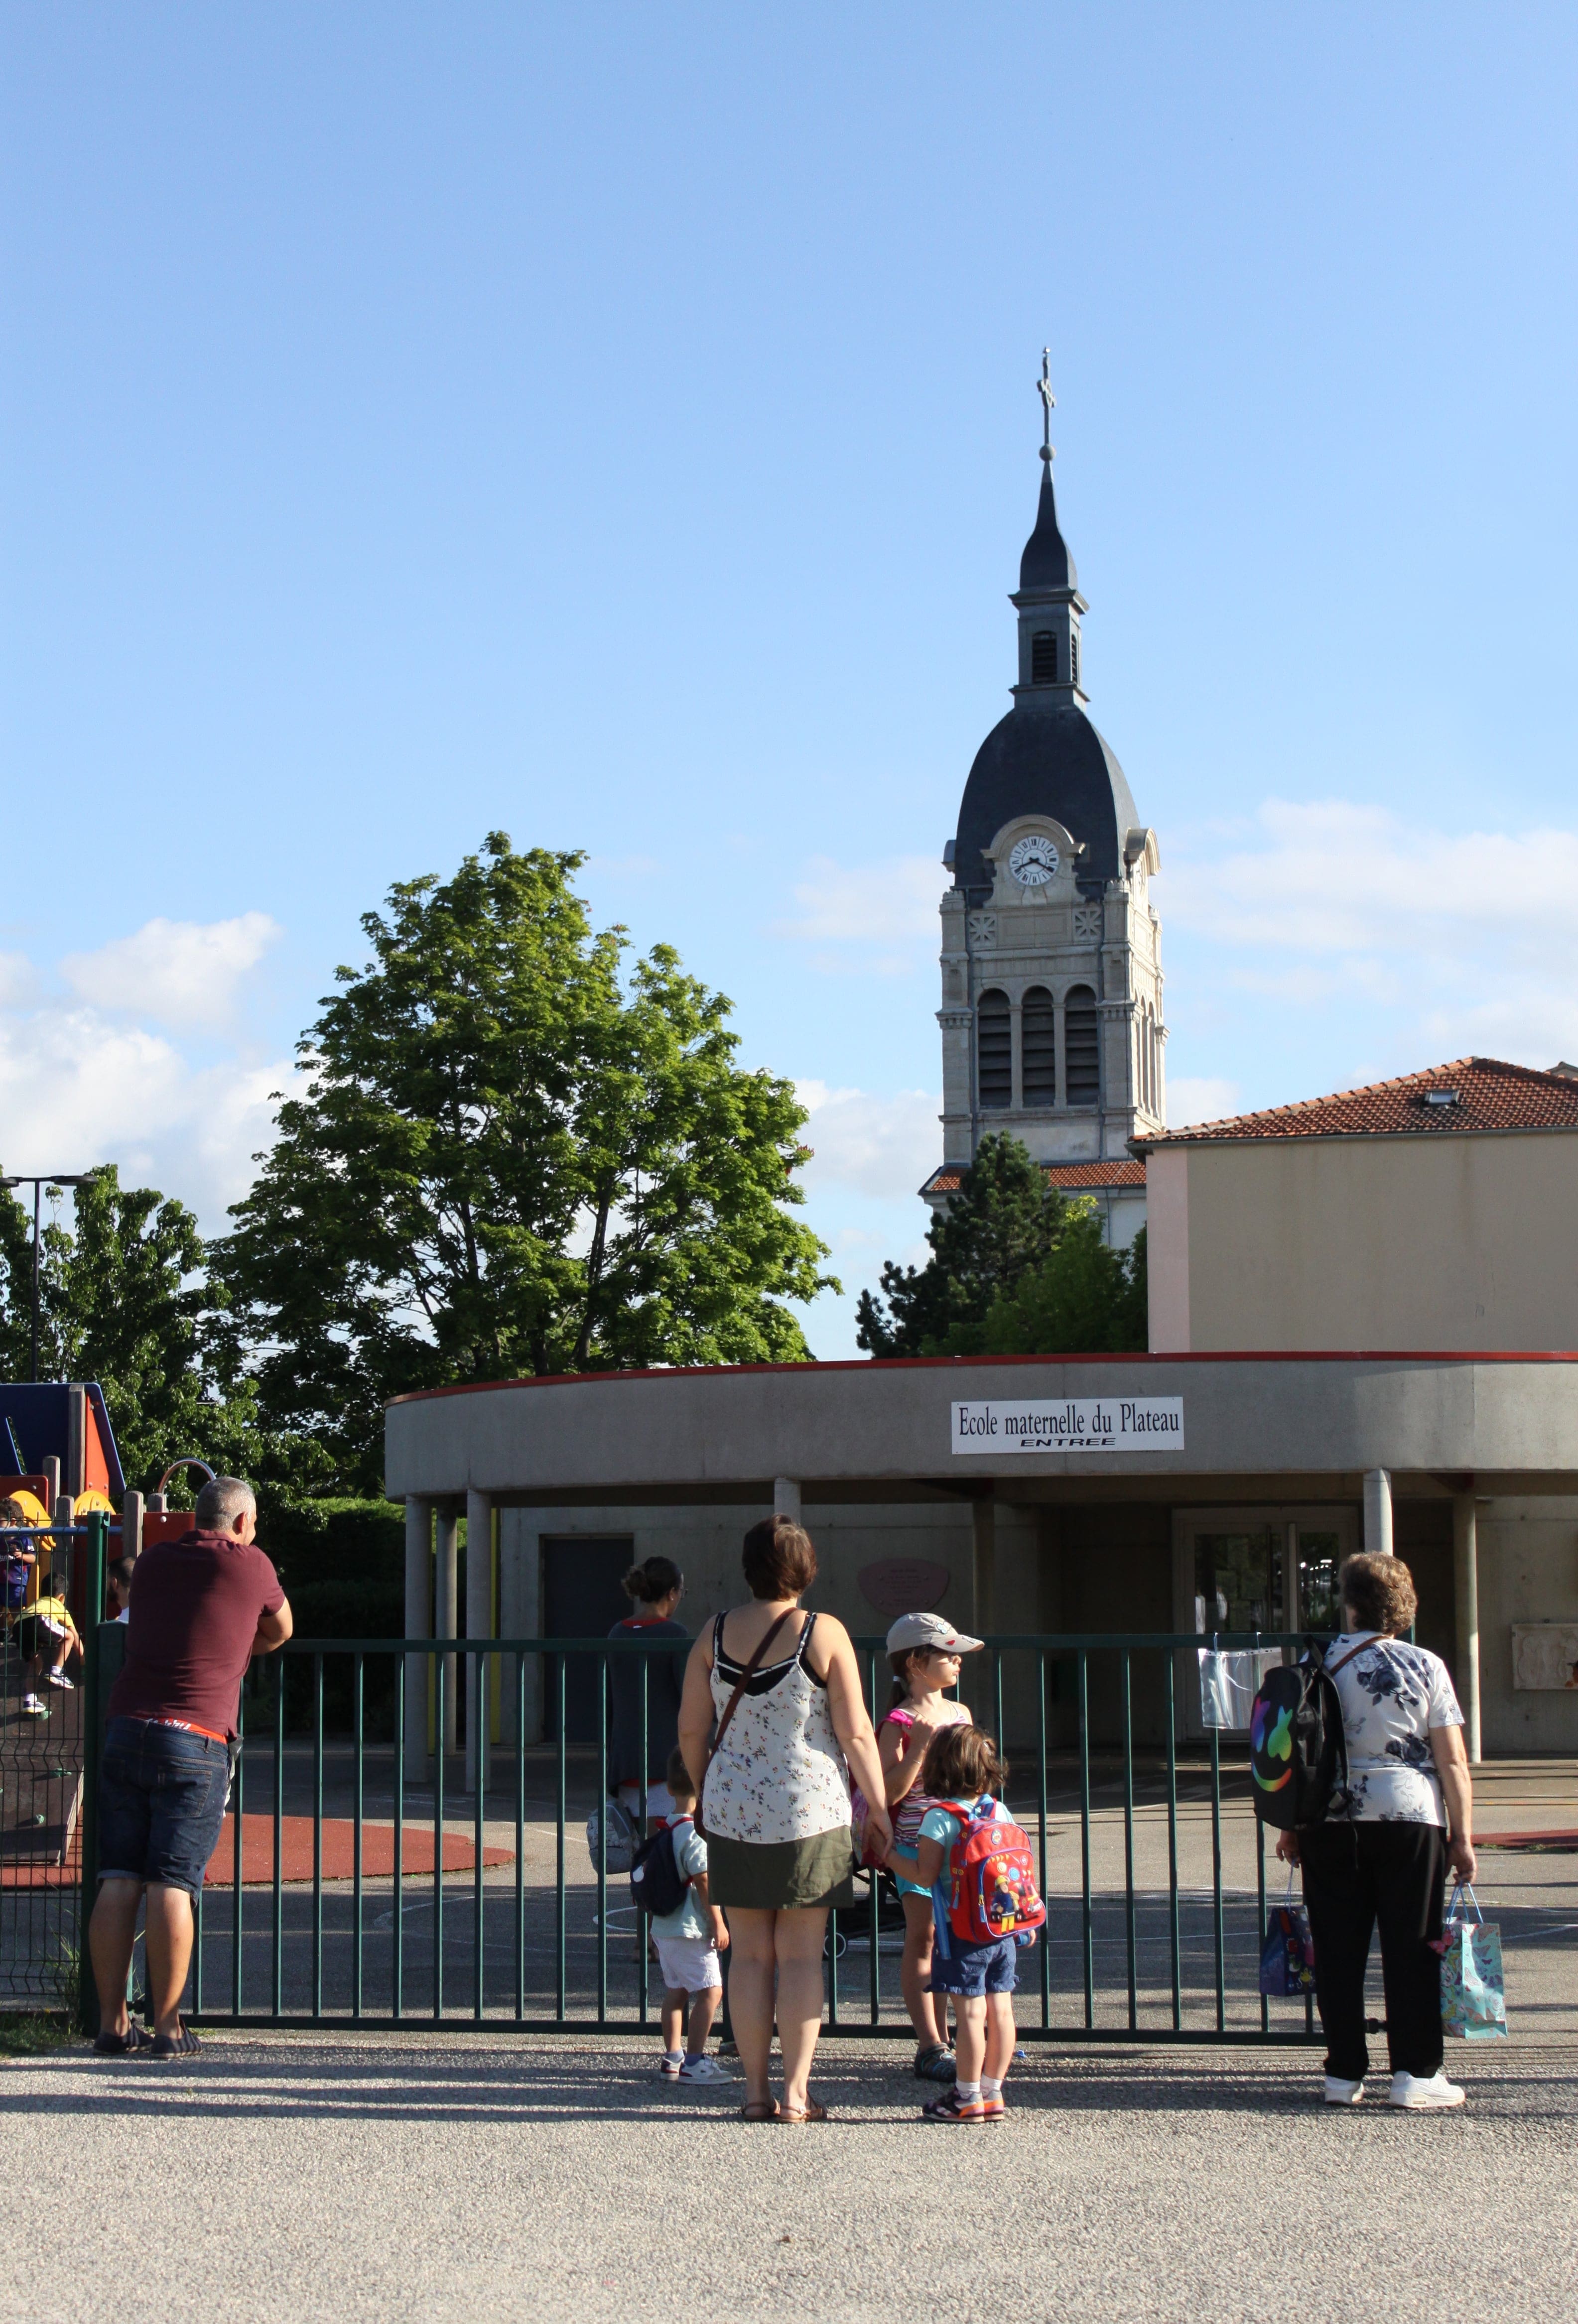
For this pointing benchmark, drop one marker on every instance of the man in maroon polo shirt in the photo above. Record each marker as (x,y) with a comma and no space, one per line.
(200,1608)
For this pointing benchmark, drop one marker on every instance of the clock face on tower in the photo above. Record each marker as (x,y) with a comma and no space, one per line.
(1033,861)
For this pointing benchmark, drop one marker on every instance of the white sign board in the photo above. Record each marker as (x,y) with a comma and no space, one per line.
(1083,1423)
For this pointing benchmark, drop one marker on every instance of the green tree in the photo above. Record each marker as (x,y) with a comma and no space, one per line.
(1004,1231)
(512,1155)
(1084,1298)
(120,1302)
(1004,1220)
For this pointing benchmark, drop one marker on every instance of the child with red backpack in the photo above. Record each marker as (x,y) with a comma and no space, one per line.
(978,1864)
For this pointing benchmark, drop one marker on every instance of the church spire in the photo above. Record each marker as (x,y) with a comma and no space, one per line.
(1047,563)
(1048,598)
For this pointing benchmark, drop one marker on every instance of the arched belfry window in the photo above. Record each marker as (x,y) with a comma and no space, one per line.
(1044,658)
(1038,1046)
(1082,1047)
(994,1051)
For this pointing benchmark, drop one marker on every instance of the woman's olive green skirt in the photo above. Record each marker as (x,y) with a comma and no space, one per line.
(781,1875)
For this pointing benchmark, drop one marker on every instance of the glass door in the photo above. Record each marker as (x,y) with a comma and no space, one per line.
(1238,1581)
(1256,1568)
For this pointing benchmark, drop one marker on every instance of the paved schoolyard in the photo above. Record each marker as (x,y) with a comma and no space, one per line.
(302,2177)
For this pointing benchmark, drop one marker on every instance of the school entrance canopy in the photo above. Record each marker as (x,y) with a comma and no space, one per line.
(1038,1494)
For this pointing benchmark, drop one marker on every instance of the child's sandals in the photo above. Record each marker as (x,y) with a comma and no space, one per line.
(809,2112)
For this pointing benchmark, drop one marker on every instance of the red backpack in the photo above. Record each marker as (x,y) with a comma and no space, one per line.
(993,1891)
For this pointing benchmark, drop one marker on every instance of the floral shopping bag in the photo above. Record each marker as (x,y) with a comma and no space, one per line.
(1473,2002)
(1288,1955)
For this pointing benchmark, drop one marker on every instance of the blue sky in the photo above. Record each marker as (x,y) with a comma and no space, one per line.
(617,426)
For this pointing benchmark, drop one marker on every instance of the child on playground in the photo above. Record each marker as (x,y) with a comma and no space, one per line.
(924,1652)
(689,1943)
(965,1772)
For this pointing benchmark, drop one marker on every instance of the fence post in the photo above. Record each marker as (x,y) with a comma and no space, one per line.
(96,1542)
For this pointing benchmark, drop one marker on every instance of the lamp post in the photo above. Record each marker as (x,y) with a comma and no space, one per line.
(50,1178)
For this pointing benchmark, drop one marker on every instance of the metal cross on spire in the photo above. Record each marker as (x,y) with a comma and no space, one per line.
(1044,390)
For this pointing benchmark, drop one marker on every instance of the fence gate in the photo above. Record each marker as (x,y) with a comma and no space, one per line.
(346,1890)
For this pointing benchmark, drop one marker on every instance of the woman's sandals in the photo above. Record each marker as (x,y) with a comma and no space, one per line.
(809,2112)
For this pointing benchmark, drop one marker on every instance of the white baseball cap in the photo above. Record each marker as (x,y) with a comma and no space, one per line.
(929,1634)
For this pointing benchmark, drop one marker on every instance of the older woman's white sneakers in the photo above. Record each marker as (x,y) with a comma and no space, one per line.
(1342,2093)
(1432,2096)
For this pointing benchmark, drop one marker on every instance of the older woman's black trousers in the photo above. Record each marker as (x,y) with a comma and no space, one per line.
(1355,1875)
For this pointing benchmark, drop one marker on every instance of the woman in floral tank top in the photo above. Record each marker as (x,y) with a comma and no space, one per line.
(774,1793)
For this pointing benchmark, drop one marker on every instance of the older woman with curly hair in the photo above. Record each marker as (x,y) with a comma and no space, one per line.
(1381,1856)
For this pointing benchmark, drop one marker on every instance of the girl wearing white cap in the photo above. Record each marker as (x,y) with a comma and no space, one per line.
(924,1651)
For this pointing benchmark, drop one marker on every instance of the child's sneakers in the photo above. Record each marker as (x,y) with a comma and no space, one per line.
(33,1708)
(952,2108)
(672,2062)
(993,2108)
(704,2069)
(59,1678)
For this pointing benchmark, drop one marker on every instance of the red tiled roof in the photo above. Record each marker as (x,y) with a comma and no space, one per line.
(1471,1093)
(1067,1175)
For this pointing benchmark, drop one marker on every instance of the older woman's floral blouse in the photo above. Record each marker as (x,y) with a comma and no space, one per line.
(1392,1694)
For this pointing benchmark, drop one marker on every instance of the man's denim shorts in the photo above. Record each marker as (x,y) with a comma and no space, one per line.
(161,1794)
(974,1970)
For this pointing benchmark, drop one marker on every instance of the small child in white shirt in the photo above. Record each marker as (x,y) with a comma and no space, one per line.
(689,1943)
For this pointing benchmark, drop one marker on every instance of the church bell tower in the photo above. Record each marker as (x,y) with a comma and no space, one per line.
(1051,1010)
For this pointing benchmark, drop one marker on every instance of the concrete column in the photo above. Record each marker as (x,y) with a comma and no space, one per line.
(983,1566)
(786,1498)
(479,1624)
(447,1612)
(1292,1612)
(418,1624)
(1378,1512)
(131,1524)
(1465,1573)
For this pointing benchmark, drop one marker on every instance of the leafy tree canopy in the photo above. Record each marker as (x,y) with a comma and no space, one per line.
(513,1154)
(120,1301)
(1084,1298)
(1015,1267)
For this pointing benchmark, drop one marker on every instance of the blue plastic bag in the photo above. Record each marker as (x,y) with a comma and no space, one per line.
(1288,1955)
(1473,1999)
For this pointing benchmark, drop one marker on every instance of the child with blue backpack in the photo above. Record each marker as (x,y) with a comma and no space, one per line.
(977,1864)
(668,1880)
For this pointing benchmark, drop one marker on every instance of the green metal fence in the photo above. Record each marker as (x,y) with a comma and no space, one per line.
(330,1901)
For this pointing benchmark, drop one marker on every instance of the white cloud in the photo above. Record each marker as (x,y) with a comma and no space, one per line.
(881,1146)
(877,916)
(77,1089)
(1436,944)
(1200,1098)
(178,972)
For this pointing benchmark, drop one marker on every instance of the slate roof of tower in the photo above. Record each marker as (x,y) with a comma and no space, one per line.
(1046,762)
(1046,563)
(1486,1094)
(1044,759)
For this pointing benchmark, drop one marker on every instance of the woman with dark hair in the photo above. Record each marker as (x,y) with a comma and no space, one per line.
(784,1689)
(656,1587)
(1381,1854)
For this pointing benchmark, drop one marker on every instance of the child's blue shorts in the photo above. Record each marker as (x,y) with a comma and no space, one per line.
(972,1970)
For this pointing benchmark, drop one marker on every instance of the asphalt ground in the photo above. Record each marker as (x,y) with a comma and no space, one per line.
(304,2177)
